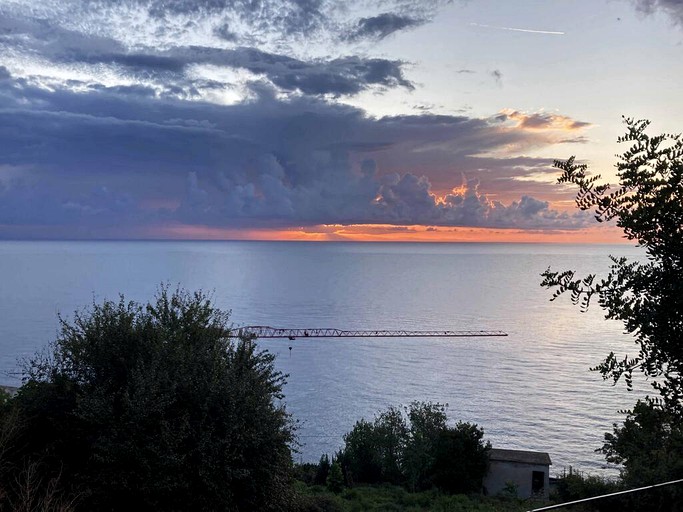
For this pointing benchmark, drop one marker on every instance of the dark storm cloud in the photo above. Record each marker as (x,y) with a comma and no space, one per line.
(346,75)
(23,204)
(137,61)
(674,8)
(383,25)
(135,138)
(341,76)
(44,39)
(407,200)
(102,157)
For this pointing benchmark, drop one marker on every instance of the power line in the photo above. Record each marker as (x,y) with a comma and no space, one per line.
(584,500)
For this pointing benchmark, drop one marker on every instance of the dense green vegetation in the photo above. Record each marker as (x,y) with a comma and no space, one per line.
(149,407)
(416,448)
(392,498)
(646,297)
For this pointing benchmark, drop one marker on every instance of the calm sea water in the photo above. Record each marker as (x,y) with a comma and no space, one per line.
(532,390)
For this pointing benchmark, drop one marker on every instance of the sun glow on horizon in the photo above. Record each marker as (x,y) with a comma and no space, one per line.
(392,233)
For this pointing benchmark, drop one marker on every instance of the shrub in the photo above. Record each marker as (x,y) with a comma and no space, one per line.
(416,448)
(335,479)
(157,407)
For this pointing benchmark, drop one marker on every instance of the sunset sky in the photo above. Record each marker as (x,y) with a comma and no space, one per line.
(322,120)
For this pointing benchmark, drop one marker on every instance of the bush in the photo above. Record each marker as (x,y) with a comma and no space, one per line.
(156,407)
(649,445)
(417,449)
(335,479)
(576,486)
(306,473)
(460,459)
(319,503)
(323,470)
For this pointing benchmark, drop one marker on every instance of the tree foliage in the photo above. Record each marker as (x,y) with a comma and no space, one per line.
(416,448)
(427,424)
(649,445)
(646,296)
(322,470)
(460,459)
(575,485)
(335,478)
(157,407)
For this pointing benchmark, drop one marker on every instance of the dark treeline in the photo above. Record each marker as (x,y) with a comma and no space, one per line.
(412,447)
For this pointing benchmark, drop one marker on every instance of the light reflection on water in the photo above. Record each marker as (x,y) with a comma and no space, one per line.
(531,390)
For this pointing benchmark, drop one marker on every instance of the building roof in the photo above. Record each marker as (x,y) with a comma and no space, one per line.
(523,456)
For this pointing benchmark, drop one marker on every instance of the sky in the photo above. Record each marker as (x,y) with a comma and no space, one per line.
(322,120)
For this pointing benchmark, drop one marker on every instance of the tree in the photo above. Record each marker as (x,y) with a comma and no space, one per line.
(649,444)
(461,459)
(322,470)
(158,407)
(335,478)
(427,423)
(646,297)
(415,447)
(373,451)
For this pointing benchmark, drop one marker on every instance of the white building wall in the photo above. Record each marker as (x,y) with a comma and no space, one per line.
(501,473)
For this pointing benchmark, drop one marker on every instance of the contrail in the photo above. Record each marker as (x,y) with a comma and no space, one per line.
(528,30)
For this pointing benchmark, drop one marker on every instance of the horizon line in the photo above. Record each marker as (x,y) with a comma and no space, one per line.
(319,241)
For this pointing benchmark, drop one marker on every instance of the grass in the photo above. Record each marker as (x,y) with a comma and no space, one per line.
(389,498)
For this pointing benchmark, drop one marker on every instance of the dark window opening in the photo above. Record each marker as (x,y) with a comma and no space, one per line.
(537,481)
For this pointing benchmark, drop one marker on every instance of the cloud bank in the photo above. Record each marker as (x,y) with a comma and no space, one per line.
(113,156)
(120,117)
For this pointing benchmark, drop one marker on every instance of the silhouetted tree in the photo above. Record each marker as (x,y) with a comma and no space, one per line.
(649,445)
(335,478)
(322,471)
(460,459)
(156,407)
(372,450)
(427,423)
(415,447)
(646,296)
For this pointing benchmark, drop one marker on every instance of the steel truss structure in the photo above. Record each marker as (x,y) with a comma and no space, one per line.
(263,331)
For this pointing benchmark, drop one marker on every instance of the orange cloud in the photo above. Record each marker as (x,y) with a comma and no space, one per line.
(391,233)
(544,121)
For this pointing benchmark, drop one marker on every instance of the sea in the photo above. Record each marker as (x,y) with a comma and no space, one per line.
(531,390)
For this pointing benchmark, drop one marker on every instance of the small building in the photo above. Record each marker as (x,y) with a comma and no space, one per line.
(525,472)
